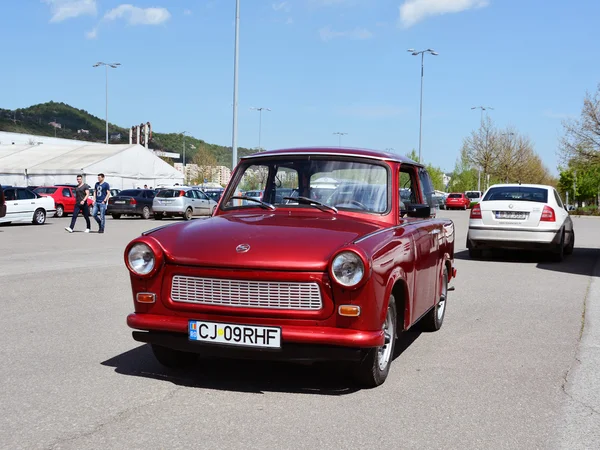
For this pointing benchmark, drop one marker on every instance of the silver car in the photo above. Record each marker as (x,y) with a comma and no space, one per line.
(183,202)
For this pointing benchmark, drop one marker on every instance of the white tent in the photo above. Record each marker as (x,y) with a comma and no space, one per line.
(125,166)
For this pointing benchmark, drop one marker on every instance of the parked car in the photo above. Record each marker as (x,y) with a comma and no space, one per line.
(214,193)
(64,198)
(308,280)
(515,216)
(457,200)
(183,202)
(2,203)
(24,205)
(474,197)
(131,202)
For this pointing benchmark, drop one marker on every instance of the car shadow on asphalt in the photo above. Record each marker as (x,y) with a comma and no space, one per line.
(258,377)
(581,262)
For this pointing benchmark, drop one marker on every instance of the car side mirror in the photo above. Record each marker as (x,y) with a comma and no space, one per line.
(419,211)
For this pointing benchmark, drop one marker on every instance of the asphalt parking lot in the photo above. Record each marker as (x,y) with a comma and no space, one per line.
(508,369)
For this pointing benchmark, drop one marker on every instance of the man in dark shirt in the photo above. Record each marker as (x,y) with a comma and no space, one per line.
(101,196)
(82,192)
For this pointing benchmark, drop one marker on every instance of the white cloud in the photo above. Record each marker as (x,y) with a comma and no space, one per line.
(282,6)
(413,11)
(138,16)
(328,34)
(187,12)
(69,9)
(92,34)
(372,111)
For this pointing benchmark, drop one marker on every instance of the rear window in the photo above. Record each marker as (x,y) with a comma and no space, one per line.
(473,194)
(48,190)
(455,196)
(130,193)
(517,193)
(168,193)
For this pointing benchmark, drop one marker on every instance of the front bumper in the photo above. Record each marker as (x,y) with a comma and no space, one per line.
(290,334)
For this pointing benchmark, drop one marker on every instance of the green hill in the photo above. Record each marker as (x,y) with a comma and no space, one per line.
(35,120)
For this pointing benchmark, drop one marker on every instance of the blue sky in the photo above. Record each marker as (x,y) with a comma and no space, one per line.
(321,66)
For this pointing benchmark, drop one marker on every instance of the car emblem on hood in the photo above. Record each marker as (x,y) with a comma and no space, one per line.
(242,248)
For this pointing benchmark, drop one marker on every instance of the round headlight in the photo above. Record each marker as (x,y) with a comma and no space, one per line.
(348,269)
(141,258)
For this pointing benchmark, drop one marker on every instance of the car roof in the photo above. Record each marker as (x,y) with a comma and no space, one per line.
(335,151)
(542,186)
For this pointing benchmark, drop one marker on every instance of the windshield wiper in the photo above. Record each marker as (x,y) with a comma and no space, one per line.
(315,203)
(264,205)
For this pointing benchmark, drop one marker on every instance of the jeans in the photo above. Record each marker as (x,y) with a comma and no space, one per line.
(100,207)
(85,209)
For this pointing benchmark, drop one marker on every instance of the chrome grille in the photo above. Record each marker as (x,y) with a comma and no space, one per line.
(246,294)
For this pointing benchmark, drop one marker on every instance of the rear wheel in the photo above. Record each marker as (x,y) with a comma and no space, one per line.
(571,244)
(39,217)
(435,317)
(60,211)
(116,216)
(145,212)
(475,253)
(373,370)
(173,358)
(187,215)
(558,254)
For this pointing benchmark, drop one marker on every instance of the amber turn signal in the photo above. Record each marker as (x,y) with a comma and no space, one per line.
(146,297)
(349,310)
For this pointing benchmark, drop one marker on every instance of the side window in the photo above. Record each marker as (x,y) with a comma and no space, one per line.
(9,194)
(427,187)
(409,187)
(66,192)
(190,194)
(24,194)
(558,200)
(201,195)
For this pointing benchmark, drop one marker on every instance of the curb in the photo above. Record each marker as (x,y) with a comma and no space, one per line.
(585,217)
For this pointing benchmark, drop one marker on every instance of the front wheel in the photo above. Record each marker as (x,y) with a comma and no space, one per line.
(145,212)
(373,370)
(435,317)
(158,216)
(173,359)
(39,217)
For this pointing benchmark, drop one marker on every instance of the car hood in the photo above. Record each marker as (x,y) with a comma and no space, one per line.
(277,241)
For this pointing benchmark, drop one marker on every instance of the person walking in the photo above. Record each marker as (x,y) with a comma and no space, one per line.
(82,193)
(101,196)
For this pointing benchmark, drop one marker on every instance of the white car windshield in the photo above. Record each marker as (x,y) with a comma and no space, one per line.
(318,181)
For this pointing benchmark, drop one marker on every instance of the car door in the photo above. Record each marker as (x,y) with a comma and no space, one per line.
(13,213)
(26,204)
(204,203)
(68,195)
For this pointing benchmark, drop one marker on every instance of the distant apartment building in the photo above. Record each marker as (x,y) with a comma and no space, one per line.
(212,174)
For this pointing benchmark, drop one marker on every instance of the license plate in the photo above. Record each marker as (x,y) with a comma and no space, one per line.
(233,334)
(120,202)
(510,215)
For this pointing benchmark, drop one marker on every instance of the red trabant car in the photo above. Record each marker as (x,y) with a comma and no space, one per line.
(64,198)
(457,200)
(297,278)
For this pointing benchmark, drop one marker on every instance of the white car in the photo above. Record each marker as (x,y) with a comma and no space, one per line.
(521,216)
(24,205)
(474,196)
(183,202)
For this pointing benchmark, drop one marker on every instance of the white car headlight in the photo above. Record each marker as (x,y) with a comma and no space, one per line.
(348,269)
(141,258)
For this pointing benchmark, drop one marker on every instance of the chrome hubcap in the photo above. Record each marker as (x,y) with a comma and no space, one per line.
(384,352)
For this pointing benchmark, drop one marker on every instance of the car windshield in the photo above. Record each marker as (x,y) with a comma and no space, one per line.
(455,196)
(129,193)
(345,184)
(517,193)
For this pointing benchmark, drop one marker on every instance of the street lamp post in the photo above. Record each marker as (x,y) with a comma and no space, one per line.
(260,110)
(183,160)
(113,66)
(422,53)
(235,85)
(340,134)
(483,108)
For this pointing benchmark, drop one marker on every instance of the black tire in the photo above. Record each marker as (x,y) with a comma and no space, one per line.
(146,212)
(39,217)
(116,216)
(571,245)
(173,359)
(158,216)
(60,211)
(91,210)
(187,215)
(475,253)
(558,254)
(373,370)
(433,320)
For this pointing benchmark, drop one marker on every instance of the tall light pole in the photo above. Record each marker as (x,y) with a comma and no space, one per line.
(422,53)
(112,66)
(260,110)
(340,134)
(183,160)
(483,108)
(235,84)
